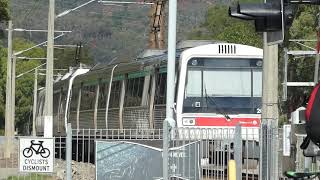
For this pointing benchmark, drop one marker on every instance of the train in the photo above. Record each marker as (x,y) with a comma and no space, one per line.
(217,86)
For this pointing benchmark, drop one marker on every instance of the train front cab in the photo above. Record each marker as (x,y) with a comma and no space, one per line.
(220,86)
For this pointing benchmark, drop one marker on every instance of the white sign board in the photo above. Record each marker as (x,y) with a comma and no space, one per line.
(286,139)
(36,155)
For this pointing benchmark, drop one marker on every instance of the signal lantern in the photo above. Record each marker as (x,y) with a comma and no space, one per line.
(268,17)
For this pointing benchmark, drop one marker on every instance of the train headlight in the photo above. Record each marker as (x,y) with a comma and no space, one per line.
(259,63)
(194,62)
(189,121)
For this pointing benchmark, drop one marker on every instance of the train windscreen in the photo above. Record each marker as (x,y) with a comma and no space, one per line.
(223,86)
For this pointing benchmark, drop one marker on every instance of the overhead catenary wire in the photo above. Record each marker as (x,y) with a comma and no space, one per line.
(30,70)
(126,2)
(20,52)
(73,9)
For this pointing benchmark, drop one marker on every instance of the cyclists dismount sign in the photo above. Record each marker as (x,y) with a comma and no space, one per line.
(28,151)
(36,155)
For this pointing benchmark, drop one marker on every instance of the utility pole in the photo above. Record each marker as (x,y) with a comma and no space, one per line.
(270,112)
(48,121)
(8,120)
(35,96)
(169,122)
(13,91)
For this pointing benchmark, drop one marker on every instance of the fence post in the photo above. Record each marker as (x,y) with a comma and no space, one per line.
(165,154)
(275,152)
(238,151)
(69,152)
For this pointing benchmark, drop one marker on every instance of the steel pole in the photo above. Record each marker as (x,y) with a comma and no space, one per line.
(69,153)
(35,97)
(270,114)
(8,120)
(48,122)
(13,92)
(285,75)
(108,97)
(316,69)
(169,121)
(171,58)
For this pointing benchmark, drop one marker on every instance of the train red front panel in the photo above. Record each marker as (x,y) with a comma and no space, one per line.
(219,121)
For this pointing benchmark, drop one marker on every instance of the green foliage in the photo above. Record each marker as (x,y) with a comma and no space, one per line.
(107,31)
(32,176)
(24,84)
(4,12)
(301,68)
(283,119)
(304,25)
(219,26)
(2,85)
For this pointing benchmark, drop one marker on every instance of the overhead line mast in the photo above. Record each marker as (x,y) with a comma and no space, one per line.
(156,35)
(156,16)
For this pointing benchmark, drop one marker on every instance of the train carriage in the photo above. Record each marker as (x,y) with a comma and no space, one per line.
(218,85)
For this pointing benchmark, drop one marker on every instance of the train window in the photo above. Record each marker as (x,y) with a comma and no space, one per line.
(40,105)
(56,97)
(88,94)
(103,95)
(63,101)
(74,99)
(115,94)
(134,92)
(256,83)
(161,86)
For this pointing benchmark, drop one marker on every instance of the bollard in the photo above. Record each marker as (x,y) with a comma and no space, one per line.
(232,175)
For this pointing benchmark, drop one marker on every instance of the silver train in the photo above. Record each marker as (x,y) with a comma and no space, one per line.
(136,99)
(133,95)
(218,85)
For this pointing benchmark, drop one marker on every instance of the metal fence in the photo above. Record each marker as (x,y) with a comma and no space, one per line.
(193,154)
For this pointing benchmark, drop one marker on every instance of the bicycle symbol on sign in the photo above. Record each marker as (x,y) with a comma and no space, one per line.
(28,151)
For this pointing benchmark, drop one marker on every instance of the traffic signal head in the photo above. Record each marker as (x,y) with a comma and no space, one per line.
(288,15)
(268,17)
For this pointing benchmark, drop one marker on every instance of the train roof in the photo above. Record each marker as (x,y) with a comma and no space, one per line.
(159,58)
(224,49)
(156,55)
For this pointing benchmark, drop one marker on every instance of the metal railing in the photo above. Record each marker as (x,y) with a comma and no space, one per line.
(193,153)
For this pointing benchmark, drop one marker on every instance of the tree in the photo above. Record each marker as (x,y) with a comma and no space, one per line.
(2,86)
(219,26)
(4,12)
(304,27)
(24,85)
(4,16)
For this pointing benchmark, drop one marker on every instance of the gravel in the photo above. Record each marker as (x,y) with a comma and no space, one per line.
(80,170)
